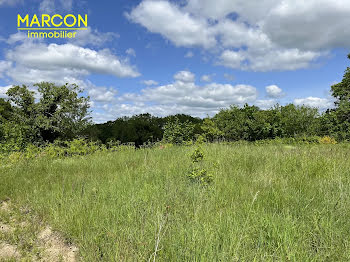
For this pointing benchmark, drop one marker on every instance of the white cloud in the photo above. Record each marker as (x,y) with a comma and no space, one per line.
(4,66)
(268,60)
(173,23)
(320,103)
(250,11)
(52,6)
(10,2)
(231,59)
(150,82)
(130,52)
(284,22)
(18,37)
(237,34)
(47,7)
(3,90)
(259,35)
(101,94)
(92,37)
(67,60)
(186,97)
(265,104)
(287,59)
(274,91)
(206,78)
(184,76)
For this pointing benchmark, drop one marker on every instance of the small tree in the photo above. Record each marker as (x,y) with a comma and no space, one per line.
(210,130)
(176,132)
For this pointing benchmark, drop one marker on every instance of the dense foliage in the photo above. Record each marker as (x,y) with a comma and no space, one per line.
(58,112)
(140,129)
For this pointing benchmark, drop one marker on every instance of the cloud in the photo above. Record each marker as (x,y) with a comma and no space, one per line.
(150,82)
(206,78)
(131,52)
(265,104)
(173,23)
(18,37)
(257,35)
(92,37)
(274,91)
(250,11)
(47,7)
(4,66)
(320,103)
(184,76)
(10,2)
(184,96)
(3,90)
(53,6)
(269,60)
(231,59)
(100,94)
(67,60)
(284,21)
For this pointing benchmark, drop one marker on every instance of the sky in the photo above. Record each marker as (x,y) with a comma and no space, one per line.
(187,56)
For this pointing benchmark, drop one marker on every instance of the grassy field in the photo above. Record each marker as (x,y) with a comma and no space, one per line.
(266,203)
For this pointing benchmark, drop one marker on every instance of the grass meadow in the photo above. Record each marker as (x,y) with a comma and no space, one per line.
(266,202)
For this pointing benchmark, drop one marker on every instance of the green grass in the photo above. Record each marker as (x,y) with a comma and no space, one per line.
(267,203)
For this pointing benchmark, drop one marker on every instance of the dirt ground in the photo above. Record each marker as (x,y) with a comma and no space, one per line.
(24,238)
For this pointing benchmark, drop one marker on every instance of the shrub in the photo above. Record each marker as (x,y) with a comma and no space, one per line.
(197,155)
(327,140)
(200,175)
(176,132)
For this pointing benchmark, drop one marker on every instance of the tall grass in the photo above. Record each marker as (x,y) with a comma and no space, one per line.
(267,203)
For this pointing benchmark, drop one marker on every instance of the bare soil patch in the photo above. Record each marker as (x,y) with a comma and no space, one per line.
(21,239)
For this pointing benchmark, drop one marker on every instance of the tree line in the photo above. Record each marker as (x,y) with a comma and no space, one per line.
(60,112)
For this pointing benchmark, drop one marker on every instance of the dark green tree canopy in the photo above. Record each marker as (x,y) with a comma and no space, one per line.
(58,112)
(339,118)
(341,91)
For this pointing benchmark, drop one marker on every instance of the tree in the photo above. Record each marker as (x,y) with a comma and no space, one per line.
(176,132)
(6,112)
(297,120)
(6,109)
(59,113)
(341,92)
(247,123)
(211,130)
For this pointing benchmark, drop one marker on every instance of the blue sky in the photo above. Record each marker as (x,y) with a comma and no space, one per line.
(189,56)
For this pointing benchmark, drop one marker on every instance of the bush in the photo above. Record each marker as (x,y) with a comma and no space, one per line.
(59,149)
(200,175)
(327,140)
(178,133)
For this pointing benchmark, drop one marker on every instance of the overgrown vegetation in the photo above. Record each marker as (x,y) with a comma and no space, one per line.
(266,202)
